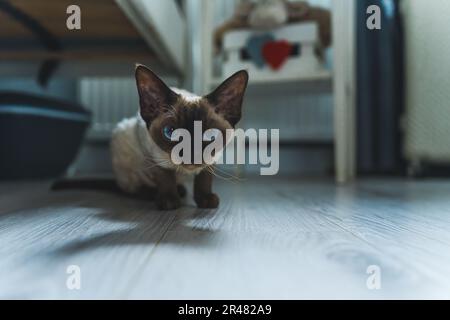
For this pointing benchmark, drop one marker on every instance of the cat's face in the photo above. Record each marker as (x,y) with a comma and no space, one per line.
(164,111)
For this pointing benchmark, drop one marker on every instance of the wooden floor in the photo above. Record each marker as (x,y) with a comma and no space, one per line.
(271,238)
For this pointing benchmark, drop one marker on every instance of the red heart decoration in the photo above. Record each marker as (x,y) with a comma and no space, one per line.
(276,53)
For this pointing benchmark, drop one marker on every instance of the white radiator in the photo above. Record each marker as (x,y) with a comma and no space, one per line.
(304,117)
(427,121)
(110,100)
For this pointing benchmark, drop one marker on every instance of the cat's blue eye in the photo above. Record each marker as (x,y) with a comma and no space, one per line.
(167,132)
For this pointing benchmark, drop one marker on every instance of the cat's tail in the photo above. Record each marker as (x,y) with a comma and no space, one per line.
(100,184)
(108,185)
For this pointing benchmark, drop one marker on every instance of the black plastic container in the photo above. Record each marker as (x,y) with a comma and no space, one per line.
(39,137)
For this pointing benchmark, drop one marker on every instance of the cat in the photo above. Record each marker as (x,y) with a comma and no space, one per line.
(141,146)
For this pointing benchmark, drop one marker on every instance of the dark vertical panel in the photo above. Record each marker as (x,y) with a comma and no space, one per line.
(379,89)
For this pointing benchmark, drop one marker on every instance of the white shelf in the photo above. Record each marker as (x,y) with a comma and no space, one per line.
(315,83)
(340,82)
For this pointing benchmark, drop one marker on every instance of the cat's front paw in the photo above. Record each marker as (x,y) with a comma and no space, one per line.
(168,202)
(207,201)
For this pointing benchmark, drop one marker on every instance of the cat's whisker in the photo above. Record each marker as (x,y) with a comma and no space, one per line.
(229,174)
(212,171)
(155,164)
(154,159)
(215,174)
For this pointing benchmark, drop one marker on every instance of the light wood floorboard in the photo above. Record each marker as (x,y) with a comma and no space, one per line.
(271,238)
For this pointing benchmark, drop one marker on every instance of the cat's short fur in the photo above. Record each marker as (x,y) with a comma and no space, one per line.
(141,152)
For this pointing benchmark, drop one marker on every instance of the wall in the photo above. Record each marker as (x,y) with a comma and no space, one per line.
(427,80)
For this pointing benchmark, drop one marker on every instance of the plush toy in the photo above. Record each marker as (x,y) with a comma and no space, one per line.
(269,14)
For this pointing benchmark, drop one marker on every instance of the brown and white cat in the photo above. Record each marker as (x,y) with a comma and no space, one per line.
(141,146)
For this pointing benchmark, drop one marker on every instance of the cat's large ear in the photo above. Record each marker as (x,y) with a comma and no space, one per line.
(227,98)
(155,97)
